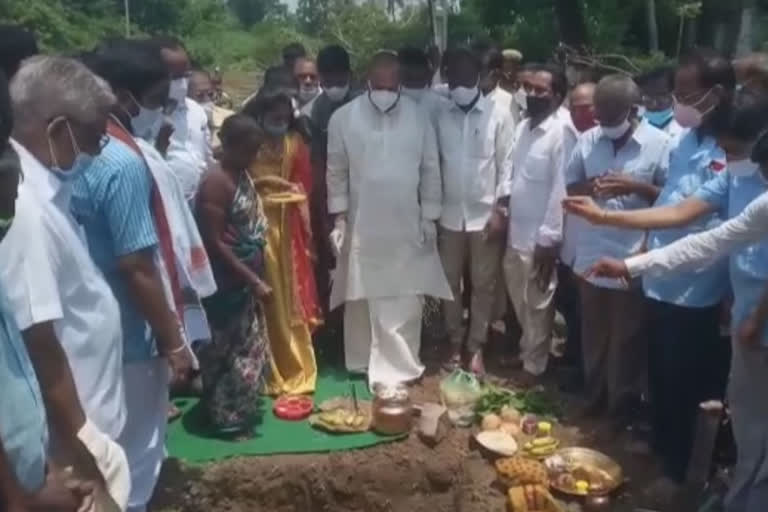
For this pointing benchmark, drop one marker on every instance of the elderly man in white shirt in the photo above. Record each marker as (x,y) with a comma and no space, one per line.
(385,191)
(533,193)
(190,146)
(59,298)
(475,137)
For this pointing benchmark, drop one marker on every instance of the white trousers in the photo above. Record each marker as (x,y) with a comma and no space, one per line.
(143,438)
(534,307)
(382,337)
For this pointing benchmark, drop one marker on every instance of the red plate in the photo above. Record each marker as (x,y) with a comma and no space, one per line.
(293,408)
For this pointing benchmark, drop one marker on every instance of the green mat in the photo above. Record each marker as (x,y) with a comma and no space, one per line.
(191,439)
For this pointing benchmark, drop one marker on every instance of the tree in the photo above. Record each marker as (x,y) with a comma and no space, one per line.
(746,27)
(250,12)
(570,18)
(653,26)
(313,14)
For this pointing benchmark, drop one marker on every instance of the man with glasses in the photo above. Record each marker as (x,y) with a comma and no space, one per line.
(656,89)
(68,315)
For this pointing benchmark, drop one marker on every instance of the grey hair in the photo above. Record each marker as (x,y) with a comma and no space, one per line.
(618,88)
(47,87)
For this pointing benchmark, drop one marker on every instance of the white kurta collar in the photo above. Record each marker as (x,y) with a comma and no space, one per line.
(40,178)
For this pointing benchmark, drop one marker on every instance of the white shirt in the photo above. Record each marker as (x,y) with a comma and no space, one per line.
(706,247)
(190,152)
(506,102)
(475,158)
(384,173)
(537,186)
(49,276)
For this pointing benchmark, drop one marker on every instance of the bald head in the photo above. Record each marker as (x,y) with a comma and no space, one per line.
(615,95)
(583,95)
(384,72)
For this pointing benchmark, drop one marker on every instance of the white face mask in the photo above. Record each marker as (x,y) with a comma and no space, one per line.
(742,168)
(521,98)
(383,100)
(308,92)
(178,91)
(147,123)
(208,106)
(336,94)
(414,93)
(618,131)
(464,96)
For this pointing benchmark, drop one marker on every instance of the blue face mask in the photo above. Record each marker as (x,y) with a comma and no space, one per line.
(659,118)
(81,163)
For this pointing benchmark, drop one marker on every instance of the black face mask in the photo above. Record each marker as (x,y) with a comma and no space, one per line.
(536,106)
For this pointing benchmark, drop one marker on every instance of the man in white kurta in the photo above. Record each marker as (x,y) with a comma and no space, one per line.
(385,190)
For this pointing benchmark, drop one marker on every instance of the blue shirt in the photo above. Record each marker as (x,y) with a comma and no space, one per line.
(691,164)
(644,157)
(112,201)
(23,427)
(749,266)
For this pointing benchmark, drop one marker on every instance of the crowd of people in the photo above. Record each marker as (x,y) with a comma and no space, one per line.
(150,236)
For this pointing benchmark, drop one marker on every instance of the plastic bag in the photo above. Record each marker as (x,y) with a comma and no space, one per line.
(459,393)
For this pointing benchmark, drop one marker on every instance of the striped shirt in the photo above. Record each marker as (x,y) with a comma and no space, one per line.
(111,200)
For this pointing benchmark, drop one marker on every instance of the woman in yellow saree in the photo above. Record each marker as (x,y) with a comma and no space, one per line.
(282,175)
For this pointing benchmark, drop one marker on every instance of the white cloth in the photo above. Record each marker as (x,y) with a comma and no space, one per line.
(476,159)
(706,247)
(192,264)
(146,393)
(190,151)
(537,186)
(384,173)
(506,102)
(534,307)
(674,130)
(49,276)
(387,334)
(434,104)
(111,461)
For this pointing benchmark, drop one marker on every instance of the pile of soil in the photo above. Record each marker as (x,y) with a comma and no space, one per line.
(400,477)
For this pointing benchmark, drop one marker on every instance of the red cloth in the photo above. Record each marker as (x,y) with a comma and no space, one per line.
(303,249)
(115,130)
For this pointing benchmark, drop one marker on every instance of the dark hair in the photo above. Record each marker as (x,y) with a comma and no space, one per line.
(559,79)
(413,57)
(463,53)
(665,73)
(492,59)
(130,65)
(333,59)
(384,57)
(292,52)
(6,113)
(259,104)
(16,44)
(278,78)
(237,129)
(712,67)
(530,67)
(167,42)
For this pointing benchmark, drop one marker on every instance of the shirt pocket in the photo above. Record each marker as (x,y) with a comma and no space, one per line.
(535,169)
(482,142)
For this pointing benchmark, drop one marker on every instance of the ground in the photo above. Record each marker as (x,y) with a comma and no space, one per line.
(400,477)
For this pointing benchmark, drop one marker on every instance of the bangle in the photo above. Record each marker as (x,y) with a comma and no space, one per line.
(177,350)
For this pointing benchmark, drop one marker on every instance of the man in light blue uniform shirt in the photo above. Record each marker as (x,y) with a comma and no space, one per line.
(695,358)
(623,164)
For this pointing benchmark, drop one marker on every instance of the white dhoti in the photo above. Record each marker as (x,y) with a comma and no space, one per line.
(143,438)
(111,461)
(383,337)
